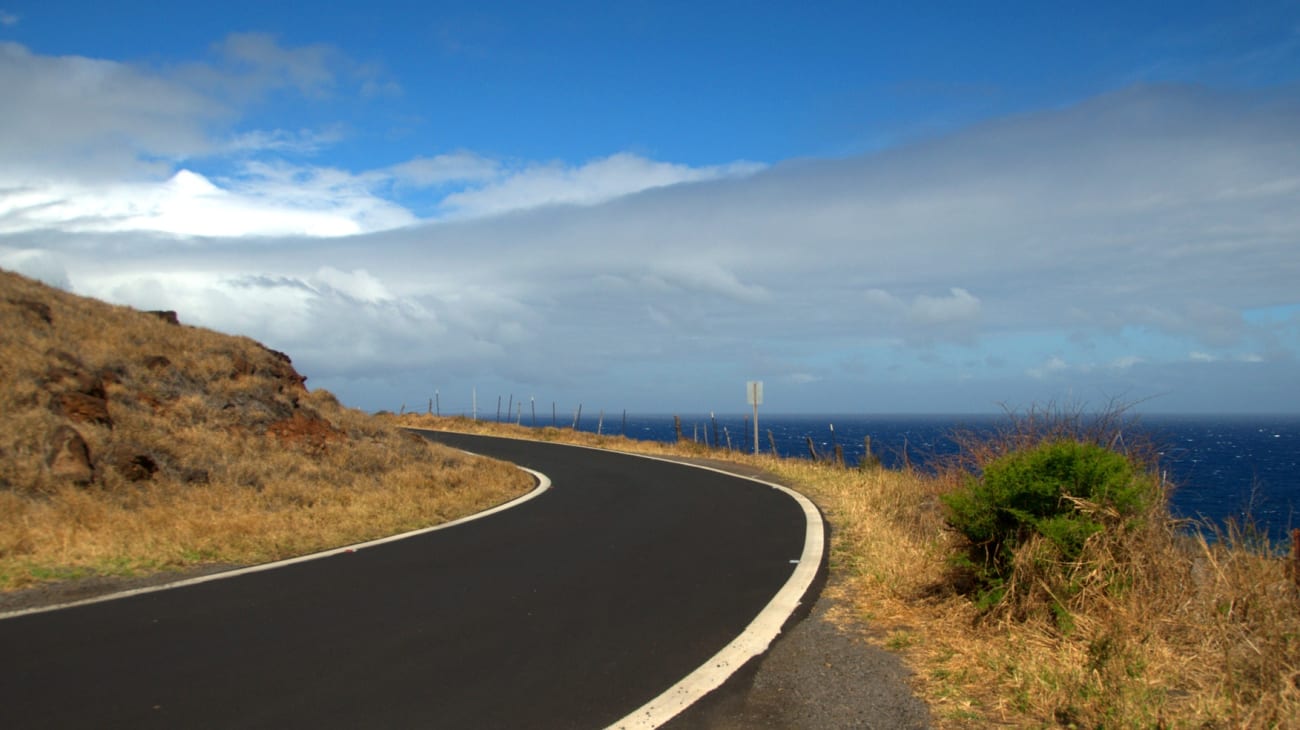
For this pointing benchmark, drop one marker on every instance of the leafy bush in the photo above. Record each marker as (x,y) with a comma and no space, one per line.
(1059,493)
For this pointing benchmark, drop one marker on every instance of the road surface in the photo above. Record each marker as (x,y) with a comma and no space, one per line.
(568,611)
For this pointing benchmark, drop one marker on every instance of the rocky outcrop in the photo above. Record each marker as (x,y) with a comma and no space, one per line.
(83,408)
(76,394)
(96,393)
(165,315)
(69,456)
(136,468)
(36,311)
(306,431)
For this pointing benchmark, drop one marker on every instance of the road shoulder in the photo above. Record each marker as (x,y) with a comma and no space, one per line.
(820,673)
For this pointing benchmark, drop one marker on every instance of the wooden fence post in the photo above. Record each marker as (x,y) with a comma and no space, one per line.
(1295,556)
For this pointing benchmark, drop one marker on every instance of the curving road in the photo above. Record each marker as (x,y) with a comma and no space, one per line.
(571,610)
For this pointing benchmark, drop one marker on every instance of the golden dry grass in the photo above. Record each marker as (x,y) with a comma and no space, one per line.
(244,465)
(1169,630)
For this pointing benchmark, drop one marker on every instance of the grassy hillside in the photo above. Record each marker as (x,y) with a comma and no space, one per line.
(132,443)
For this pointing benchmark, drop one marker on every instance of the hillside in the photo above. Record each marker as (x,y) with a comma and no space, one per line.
(133,443)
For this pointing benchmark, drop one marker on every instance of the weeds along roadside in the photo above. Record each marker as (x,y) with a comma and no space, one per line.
(1158,627)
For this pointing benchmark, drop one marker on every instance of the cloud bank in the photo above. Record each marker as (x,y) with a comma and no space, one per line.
(1088,248)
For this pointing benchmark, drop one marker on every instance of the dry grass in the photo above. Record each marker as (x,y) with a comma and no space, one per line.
(1167,629)
(203,448)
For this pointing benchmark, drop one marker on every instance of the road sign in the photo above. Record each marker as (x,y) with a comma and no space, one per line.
(754,392)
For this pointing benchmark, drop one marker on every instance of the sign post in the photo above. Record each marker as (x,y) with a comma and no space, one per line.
(754,393)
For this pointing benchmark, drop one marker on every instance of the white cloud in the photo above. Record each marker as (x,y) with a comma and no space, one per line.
(588,184)
(67,115)
(40,265)
(1146,221)
(8,19)
(269,202)
(303,141)
(1054,365)
(358,284)
(458,167)
(924,317)
(260,60)
(959,307)
(89,145)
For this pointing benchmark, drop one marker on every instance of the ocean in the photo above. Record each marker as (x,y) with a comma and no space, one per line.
(1239,467)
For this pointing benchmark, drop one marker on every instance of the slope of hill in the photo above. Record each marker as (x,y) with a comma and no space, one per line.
(131,443)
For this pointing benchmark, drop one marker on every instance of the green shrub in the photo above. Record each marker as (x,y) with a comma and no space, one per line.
(1060,491)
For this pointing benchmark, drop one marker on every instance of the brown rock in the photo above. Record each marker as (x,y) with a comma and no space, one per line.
(157,362)
(76,381)
(194,476)
(241,367)
(137,468)
(67,358)
(83,408)
(165,315)
(69,456)
(108,376)
(282,369)
(37,310)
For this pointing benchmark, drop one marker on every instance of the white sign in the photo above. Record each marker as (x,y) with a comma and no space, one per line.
(754,392)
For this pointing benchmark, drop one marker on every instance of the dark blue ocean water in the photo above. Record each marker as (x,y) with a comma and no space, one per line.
(1221,467)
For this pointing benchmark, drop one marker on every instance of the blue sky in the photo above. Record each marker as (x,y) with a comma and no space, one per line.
(903,207)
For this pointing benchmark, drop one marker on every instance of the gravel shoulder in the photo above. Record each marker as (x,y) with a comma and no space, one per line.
(820,673)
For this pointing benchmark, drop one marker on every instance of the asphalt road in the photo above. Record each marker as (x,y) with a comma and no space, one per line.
(568,611)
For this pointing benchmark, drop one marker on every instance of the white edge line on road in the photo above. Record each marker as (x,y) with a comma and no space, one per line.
(755,639)
(543,484)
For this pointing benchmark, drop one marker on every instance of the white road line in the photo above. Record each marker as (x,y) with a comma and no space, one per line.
(543,484)
(756,637)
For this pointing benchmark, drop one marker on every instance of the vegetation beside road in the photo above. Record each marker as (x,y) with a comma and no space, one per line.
(132,444)
(1097,610)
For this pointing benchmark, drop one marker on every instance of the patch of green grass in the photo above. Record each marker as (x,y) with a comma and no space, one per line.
(900,640)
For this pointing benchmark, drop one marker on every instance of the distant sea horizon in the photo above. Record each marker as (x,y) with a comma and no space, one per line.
(1243,467)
